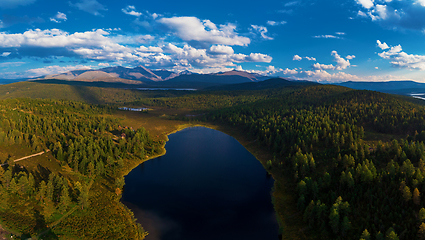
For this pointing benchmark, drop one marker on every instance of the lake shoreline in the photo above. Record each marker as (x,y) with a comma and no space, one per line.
(289,220)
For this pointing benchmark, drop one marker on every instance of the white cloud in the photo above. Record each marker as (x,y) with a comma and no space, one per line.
(274,23)
(5,54)
(258,57)
(101,45)
(400,59)
(14,3)
(1,24)
(131,10)
(297,58)
(407,14)
(349,57)
(420,2)
(341,63)
(382,11)
(361,14)
(262,30)
(340,33)
(326,36)
(193,29)
(221,49)
(59,17)
(318,66)
(382,46)
(321,75)
(144,39)
(103,64)
(54,70)
(90,6)
(293,3)
(366,3)
(11,64)
(151,49)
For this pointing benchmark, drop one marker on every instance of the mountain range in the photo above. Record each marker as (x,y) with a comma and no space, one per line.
(143,75)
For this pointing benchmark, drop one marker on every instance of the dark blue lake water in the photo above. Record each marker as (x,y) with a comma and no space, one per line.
(207,186)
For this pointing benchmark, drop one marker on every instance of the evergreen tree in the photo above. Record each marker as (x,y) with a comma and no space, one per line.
(422,214)
(407,195)
(421,232)
(365,235)
(391,235)
(65,200)
(83,198)
(416,196)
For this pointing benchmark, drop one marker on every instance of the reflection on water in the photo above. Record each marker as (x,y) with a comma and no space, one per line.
(207,186)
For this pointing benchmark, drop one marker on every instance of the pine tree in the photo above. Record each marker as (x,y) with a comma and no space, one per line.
(416,196)
(421,232)
(83,198)
(65,200)
(407,195)
(365,235)
(422,214)
(334,220)
(391,235)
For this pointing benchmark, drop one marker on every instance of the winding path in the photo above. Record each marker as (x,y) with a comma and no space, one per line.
(30,156)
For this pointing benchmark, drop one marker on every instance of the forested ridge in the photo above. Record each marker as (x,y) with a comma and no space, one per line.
(89,152)
(348,187)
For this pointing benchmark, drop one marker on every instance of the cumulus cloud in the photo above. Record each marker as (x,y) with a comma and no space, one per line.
(341,63)
(274,23)
(400,59)
(59,17)
(103,64)
(90,6)
(131,10)
(321,75)
(297,58)
(349,57)
(382,46)
(192,29)
(108,46)
(262,30)
(15,3)
(406,14)
(258,57)
(221,49)
(366,3)
(54,70)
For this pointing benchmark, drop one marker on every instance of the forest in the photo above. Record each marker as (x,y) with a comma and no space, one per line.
(353,160)
(88,155)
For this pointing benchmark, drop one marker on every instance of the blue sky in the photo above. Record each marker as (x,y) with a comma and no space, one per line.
(318,40)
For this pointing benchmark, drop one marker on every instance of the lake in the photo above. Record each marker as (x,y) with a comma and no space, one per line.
(207,186)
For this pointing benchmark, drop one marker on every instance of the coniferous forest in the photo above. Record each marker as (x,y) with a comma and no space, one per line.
(353,160)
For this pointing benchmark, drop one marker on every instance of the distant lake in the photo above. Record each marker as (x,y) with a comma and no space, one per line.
(418,95)
(206,187)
